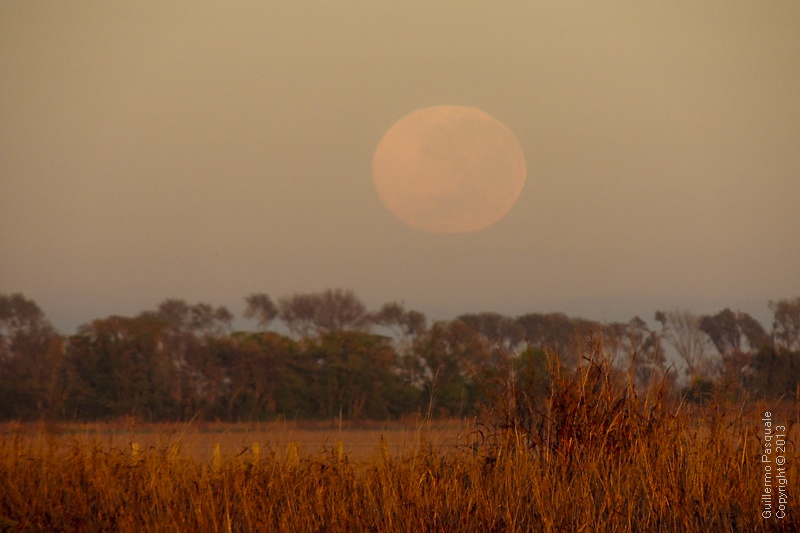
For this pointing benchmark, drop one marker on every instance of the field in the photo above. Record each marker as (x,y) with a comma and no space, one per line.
(595,456)
(201,442)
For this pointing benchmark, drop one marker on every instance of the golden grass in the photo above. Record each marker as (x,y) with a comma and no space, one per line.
(593,457)
(198,440)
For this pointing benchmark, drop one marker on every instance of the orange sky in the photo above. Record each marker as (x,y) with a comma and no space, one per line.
(206,151)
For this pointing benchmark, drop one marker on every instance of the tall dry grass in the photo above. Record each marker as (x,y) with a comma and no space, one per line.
(594,455)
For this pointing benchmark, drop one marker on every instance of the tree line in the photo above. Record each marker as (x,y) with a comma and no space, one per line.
(339,359)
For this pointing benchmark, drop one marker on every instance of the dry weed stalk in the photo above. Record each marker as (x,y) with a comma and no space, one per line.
(588,410)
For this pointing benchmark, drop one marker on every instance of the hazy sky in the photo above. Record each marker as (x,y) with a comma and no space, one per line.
(209,150)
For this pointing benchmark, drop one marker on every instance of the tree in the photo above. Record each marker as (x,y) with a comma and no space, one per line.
(257,375)
(261,307)
(22,326)
(774,373)
(786,323)
(199,319)
(736,336)
(647,353)
(404,324)
(755,334)
(315,314)
(405,327)
(31,360)
(615,340)
(559,333)
(497,329)
(355,376)
(734,332)
(453,353)
(723,330)
(120,367)
(682,330)
(188,332)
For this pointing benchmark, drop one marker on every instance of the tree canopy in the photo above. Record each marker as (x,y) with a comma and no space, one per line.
(183,360)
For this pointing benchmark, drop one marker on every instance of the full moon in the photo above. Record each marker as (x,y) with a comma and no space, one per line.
(449,169)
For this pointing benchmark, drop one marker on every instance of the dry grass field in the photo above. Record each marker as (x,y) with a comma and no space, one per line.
(201,441)
(594,456)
